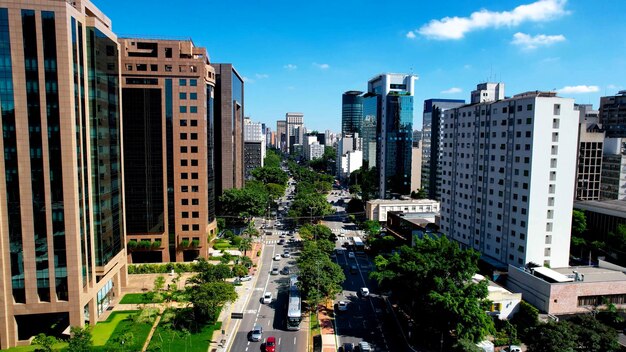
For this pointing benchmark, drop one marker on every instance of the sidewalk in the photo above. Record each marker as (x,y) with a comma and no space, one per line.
(220,342)
(326,316)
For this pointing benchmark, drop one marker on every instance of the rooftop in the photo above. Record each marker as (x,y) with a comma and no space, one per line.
(593,274)
(609,207)
(402,201)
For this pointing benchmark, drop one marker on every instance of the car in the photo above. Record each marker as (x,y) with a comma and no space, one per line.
(274,271)
(348,347)
(342,306)
(277,257)
(245,278)
(364,347)
(281,242)
(513,348)
(364,291)
(267,298)
(270,344)
(351,255)
(281,236)
(286,254)
(257,333)
(353,269)
(285,271)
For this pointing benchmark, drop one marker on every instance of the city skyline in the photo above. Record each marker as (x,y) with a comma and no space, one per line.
(311,61)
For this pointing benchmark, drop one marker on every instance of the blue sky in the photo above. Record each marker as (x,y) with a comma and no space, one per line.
(301,56)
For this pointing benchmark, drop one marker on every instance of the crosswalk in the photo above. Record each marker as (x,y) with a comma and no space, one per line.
(286,241)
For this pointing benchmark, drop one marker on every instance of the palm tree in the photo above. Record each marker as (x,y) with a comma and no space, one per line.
(245,245)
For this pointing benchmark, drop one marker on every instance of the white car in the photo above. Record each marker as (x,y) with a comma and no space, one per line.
(286,254)
(365,291)
(351,255)
(245,278)
(277,257)
(267,298)
(342,306)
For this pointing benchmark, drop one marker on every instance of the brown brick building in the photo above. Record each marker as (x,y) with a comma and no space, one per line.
(168,90)
(62,227)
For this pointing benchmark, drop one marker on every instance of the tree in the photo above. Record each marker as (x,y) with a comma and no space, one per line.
(210,273)
(208,298)
(159,283)
(244,203)
(592,335)
(355,206)
(268,175)
(526,318)
(245,245)
(579,222)
(80,340)
(319,232)
(420,194)
(319,277)
(371,227)
(272,159)
(239,270)
(45,342)
(550,337)
(433,283)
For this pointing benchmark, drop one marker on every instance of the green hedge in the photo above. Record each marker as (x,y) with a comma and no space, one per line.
(162,268)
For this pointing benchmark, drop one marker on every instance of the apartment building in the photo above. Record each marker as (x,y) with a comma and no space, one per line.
(590,144)
(294,129)
(168,92)
(61,177)
(508,169)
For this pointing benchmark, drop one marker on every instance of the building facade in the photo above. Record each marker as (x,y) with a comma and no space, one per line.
(394,132)
(351,112)
(61,177)
(254,146)
(377,209)
(369,128)
(416,165)
(294,129)
(613,176)
(431,143)
(613,115)
(281,135)
(229,114)
(168,90)
(590,144)
(508,170)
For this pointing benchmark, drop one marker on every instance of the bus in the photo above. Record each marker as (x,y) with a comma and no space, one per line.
(294,314)
(358,244)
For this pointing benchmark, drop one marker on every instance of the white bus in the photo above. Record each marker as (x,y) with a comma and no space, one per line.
(294,314)
(358,243)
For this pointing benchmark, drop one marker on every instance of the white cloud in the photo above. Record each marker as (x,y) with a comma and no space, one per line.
(613,86)
(578,89)
(247,79)
(262,75)
(321,66)
(290,67)
(410,35)
(456,27)
(529,42)
(452,90)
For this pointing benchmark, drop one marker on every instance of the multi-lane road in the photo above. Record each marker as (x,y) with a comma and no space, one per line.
(272,317)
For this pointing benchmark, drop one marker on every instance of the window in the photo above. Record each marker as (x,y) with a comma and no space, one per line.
(168,53)
(193,96)
(184,189)
(185,227)
(129,67)
(193,123)
(194,136)
(195,227)
(184,201)
(182,95)
(529,120)
(194,189)
(193,109)
(519,108)
(182,109)
(142,67)
(193,82)
(555,123)
(195,201)
(168,68)
(529,107)
(183,149)
(183,162)
(184,176)
(195,214)
(182,82)
(183,136)
(194,175)
(183,122)
(194,162)
(194,149)
(154,67)
(184,214)
(557,109)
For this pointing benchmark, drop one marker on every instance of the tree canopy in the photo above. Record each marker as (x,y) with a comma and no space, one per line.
(433,282)
(320,278)
(208,298)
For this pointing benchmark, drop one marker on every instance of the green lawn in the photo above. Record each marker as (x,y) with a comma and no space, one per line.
(136,298)
(117,325)
(57,347)
(223,244)
(167,340)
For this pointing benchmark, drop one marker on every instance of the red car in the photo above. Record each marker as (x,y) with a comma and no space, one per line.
(270,344)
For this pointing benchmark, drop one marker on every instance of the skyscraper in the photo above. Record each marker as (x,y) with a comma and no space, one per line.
(590,144)
(254,146)
(295,129)
(61,195)
(431,143)
(369,127)
(508,169)
(281,135)
(394,131)
(612,114)
(167,90)
(351,112)
(229,113)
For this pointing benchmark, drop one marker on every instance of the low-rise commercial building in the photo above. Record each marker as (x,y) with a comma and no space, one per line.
(603,216)
(407,226)
(504,303)
(377,209)
(570,290)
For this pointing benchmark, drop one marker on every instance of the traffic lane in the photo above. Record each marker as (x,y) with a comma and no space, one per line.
(274,315)
(242,338)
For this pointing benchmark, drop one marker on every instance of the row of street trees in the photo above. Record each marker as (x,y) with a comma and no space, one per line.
(311,188)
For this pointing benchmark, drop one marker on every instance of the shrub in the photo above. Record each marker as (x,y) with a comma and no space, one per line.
(144,244)
(184,243)
(236,241)
(195,243)
(258,253)
(131,245)
(156,244)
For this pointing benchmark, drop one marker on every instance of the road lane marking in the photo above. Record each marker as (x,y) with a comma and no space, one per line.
(294,340)
(269,321)
(279,340)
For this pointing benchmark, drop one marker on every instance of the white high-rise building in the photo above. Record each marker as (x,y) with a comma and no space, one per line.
(508,171)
